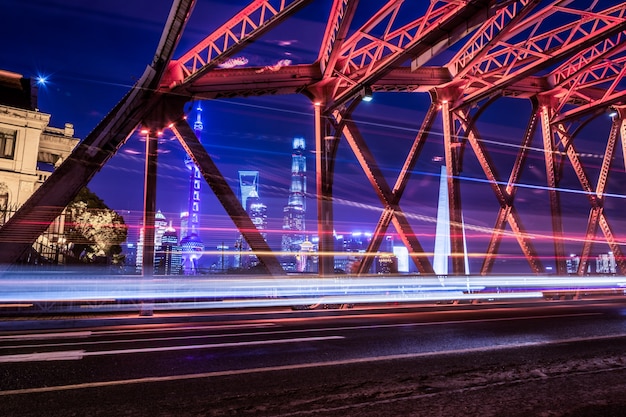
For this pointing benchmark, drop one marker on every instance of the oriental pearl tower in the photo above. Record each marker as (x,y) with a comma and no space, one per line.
(191,244)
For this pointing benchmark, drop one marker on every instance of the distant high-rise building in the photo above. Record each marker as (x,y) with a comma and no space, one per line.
(295,210)
(606,264)
(248,182)
(160,226)
(257,211)
(191,243)
(168,257)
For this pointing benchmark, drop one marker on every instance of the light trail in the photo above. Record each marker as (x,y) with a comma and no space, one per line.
(239,292)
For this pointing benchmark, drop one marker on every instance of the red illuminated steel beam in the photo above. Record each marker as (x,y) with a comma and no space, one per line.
(596,197)
(551,157)
(49,200)
(246,26)
(339,21)
(510,63)
(490,32)
(452,154)
(226,196)
(605,80)
(366,56)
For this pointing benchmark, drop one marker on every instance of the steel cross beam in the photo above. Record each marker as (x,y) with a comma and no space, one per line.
(339,21)
(509,63)
(504,195)
(389,200)
(578,79)
(365,57)
(610,71)
(243,28)
(225,195)
(552,175)
(489,34)
(596,198)
(325,151)
(389,210)
(47,203)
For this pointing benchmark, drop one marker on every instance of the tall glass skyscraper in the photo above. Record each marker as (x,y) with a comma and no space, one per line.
(295,210)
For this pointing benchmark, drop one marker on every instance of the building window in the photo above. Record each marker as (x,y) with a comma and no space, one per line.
(7,143)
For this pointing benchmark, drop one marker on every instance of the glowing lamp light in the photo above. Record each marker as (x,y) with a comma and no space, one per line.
(367,93)
(41,79)
(612,112)
(144,131)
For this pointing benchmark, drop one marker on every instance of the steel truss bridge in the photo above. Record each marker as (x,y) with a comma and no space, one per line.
(571,72)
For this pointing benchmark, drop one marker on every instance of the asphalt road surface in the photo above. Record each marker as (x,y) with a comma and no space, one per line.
(545,359)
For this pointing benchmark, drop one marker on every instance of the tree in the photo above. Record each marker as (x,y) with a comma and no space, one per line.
(94,230)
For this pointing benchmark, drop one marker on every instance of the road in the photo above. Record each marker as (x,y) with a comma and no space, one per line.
(551,358)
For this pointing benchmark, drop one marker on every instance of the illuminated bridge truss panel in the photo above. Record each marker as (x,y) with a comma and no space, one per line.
(244,27)
(509,62)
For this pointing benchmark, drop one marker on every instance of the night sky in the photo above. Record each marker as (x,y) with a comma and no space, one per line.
(93,52)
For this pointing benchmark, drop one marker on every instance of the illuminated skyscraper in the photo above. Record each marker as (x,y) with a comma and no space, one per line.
(295,210)
(191,244)
(257,212)
(248,182)
(168,257)
(251,202)
(160,226)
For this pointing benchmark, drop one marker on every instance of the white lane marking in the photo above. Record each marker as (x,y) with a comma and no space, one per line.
(79,354)
(297,366)
(141,329)
(67,355)
(45,336)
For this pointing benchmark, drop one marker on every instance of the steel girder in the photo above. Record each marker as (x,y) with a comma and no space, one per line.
(366,57)
(244,27)
(511,62)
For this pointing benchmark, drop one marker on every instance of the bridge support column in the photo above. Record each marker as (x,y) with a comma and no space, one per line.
(149,210)
(325,150)
(552,178)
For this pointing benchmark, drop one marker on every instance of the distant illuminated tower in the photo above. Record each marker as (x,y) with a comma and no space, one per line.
(160,225)
(294,212)
(169,256)
(191,244)
(248,182)
(257,212)
(249,196)
(443,249)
